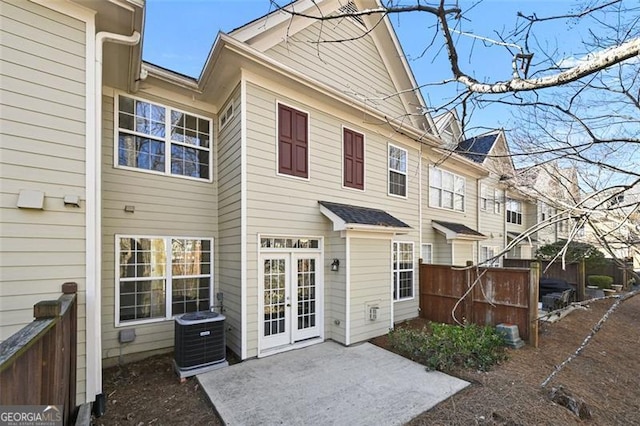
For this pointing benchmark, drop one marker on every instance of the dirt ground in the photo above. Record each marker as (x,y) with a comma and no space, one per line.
(606,376)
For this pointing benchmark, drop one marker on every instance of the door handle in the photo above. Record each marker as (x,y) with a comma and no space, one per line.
(288,305)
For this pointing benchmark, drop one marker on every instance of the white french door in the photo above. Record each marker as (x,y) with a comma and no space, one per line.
(290,284)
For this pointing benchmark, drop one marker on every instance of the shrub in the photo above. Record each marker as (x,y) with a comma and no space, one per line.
(602,281)
(451,346)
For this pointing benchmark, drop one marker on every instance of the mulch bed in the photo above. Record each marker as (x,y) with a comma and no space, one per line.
(606,376)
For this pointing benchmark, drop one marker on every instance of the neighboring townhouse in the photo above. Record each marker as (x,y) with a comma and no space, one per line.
(548,193)
(615,214)
(492,152)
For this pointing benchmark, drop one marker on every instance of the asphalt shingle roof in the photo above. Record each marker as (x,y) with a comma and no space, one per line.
(459,228)
(477,148)
(363,215)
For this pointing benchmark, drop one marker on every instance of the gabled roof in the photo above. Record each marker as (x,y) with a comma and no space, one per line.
(457,231)
(349,217)
(478,147)
(272,29)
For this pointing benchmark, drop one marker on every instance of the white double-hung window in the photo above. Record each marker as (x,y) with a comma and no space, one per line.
(159,277)
(397,171)
(402,270)
(159,139)
(446,190)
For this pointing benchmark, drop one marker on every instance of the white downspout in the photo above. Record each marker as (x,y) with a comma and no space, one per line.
(94,227)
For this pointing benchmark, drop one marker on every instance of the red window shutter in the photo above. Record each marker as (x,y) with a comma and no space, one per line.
(292,142)
(353,159)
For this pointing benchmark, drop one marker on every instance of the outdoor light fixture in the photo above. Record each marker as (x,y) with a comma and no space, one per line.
(335,265)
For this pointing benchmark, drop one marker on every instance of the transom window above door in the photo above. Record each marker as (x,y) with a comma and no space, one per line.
(159,139)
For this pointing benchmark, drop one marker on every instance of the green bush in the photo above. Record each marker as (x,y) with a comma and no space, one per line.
(450,346)
(602,281)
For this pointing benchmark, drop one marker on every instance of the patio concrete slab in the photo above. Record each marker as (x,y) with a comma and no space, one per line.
(327,384)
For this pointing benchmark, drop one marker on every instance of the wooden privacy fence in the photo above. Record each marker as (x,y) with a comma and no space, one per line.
(502,295)
(38,363)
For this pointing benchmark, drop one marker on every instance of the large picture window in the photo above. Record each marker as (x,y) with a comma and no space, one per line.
(446,190)
(402,270)
(160,139)
(514,212)
(397,171)
(293,144)
(159,277)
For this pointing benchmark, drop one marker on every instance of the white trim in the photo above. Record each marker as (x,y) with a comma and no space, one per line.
(413,270)
(168,277)
(406,172)
(453,193)
(422,247)
(166,140)
(347,291)
(225,114)
(277,128)
(243,219)
(364,160)
(391,287)
(290,253)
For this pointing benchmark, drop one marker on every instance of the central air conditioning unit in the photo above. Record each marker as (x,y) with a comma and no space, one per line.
(200,344)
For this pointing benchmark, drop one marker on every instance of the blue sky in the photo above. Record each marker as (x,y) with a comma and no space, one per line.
(179,34)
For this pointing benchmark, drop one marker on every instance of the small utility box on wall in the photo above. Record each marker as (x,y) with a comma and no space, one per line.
(371,311)
(30,199)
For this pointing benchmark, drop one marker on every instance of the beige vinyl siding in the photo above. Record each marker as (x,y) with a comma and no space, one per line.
(442,249)
(282,205)
(370,272)
(335,301)
(464,251)
(341,65)
(42,87)
(164,206)
(228,244)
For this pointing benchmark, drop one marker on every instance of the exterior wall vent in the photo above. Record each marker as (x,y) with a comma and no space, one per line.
(352,8)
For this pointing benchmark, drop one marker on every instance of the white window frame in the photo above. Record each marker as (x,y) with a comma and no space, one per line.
(226,116)
(497,201)
(168,142)
(546,211)
(395,245)
(168,277)
(453,192)
(484,197)
(514,206)
(487,252)
(429,258)
(398,171)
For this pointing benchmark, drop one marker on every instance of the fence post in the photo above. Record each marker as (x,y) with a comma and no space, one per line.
(534,283)
(582,278)
(468,300)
